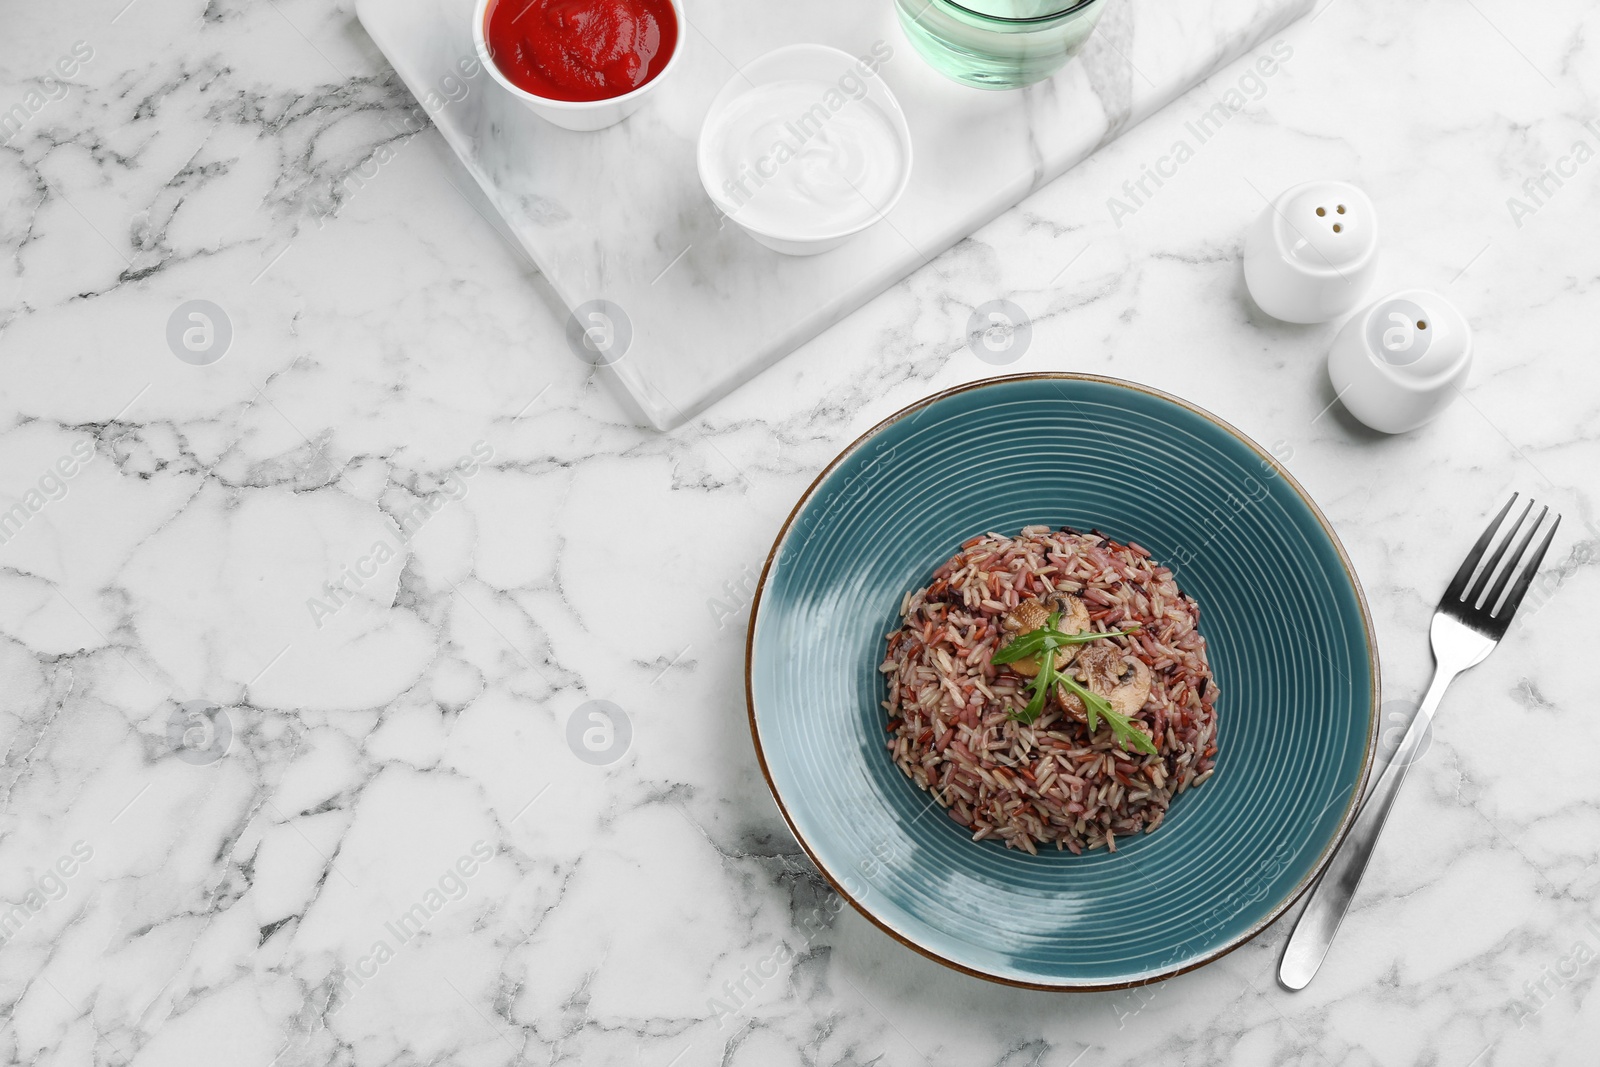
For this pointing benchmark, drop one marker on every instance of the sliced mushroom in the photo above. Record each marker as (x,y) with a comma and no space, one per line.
(1074,612)
(1104,670)
(1033,613)
(1026,617)
(1128,697)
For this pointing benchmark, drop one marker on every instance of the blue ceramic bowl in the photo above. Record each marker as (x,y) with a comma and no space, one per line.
(1289,638)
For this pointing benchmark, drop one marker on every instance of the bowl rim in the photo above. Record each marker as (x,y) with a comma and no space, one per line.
(1071,7)
(726,95)
(480,43)
(1352,803)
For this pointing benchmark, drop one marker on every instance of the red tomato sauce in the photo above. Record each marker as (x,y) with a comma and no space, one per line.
(580,49)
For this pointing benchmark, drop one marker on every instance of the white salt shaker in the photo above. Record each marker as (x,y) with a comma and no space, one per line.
(1312,254)
(1399,363)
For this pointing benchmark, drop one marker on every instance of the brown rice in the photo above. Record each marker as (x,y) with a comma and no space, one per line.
(951,726)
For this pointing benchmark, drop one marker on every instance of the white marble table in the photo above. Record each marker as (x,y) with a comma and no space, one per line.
(397,643)
(697,307)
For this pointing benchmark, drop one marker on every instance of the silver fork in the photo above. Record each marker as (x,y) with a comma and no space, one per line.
(1469,621)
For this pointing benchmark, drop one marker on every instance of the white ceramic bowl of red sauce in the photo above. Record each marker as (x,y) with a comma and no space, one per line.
(580,64)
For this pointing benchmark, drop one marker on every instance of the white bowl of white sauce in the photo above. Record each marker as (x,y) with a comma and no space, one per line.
(806,147)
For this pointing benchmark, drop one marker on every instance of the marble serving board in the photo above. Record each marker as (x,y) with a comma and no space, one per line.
(619,215)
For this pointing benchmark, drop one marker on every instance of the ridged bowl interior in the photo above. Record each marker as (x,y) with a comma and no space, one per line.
(1289,643)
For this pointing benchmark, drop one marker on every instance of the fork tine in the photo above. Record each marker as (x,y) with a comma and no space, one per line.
(1511,564)
(1457,588)
(1514,598)
(1494,559)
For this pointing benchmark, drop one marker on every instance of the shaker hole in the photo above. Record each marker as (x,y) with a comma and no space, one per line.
(1336,227)
(1321,211)
(1421,325)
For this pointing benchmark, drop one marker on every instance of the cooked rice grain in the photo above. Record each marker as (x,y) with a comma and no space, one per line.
(950,726)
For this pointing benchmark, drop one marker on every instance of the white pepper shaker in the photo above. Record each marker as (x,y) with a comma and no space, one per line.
(1400,362)
(1312,254)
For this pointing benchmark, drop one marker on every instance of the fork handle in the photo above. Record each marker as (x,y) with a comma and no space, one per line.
(1318,924)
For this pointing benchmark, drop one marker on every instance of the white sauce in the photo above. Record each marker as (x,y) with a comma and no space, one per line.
(791,162)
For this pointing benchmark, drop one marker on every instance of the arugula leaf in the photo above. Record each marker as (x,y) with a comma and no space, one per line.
(1093,703)
(1043,643)
(1042,683)
(1033,642)
(1028,644)
(1122,727)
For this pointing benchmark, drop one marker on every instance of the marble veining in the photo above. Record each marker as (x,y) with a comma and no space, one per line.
(621,215)
(218,800)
